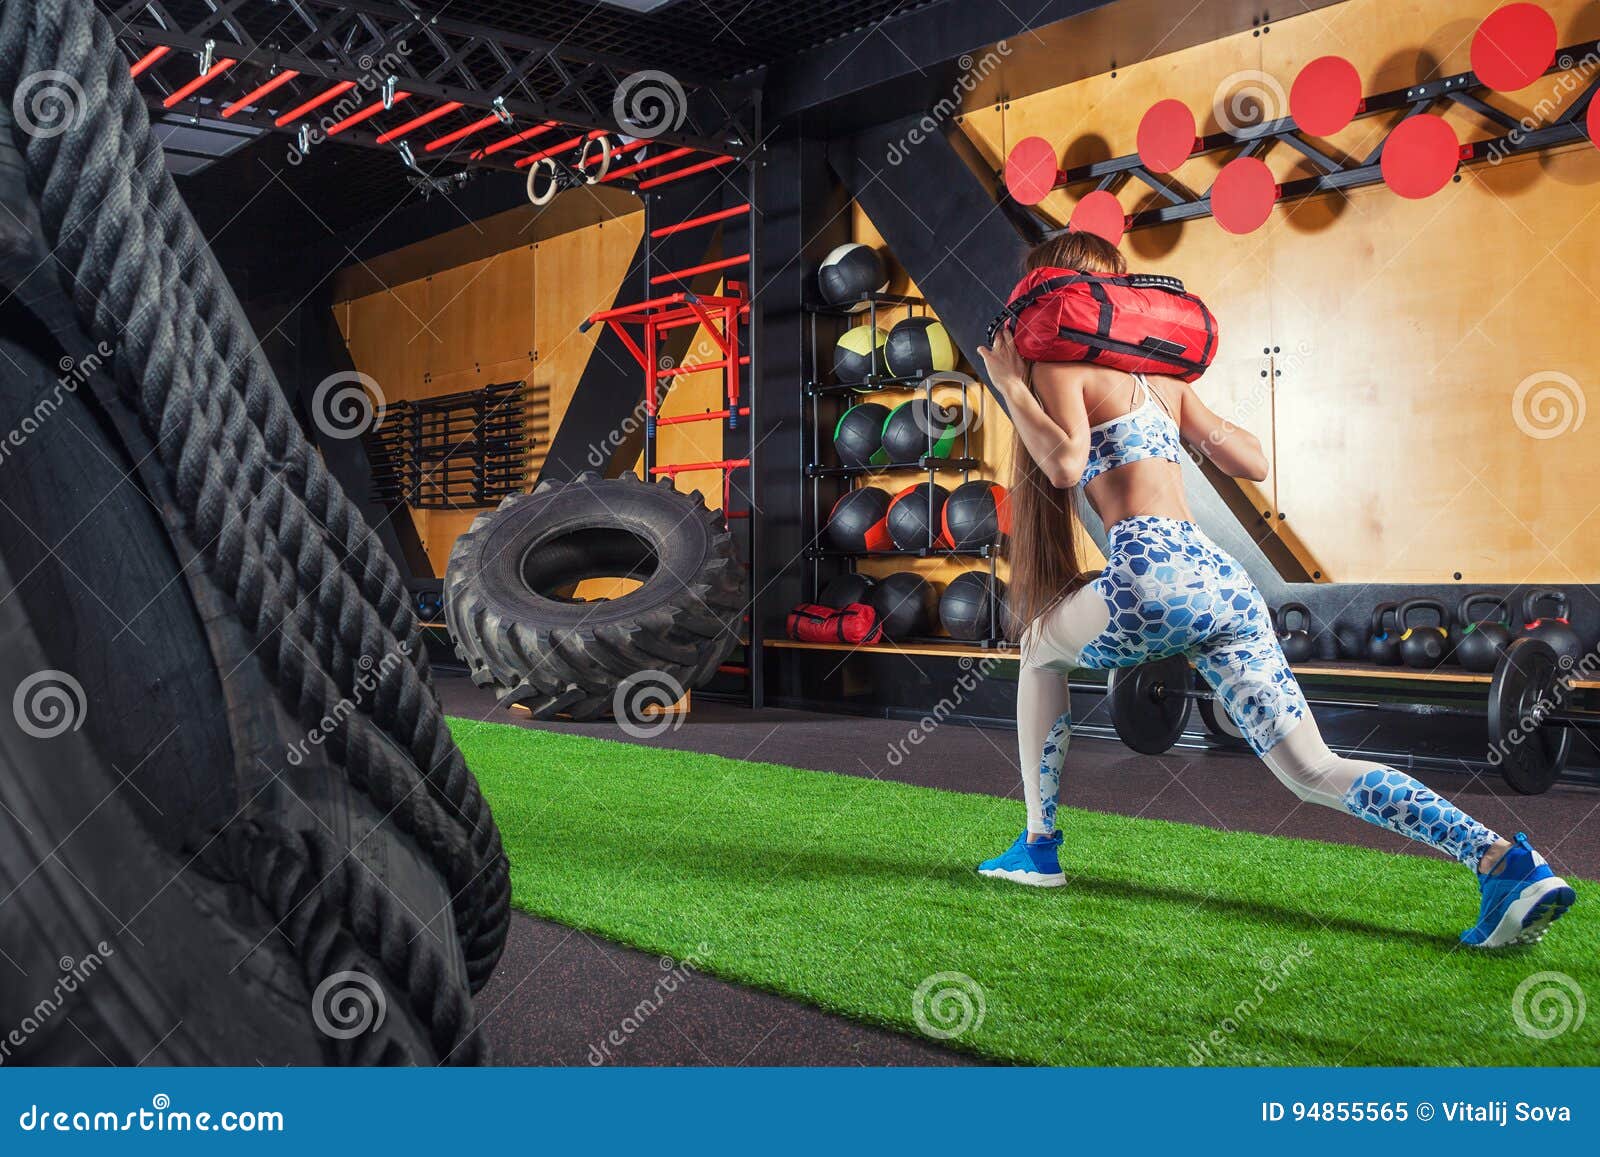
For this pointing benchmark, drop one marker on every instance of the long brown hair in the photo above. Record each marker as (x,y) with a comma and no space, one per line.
(1043,543)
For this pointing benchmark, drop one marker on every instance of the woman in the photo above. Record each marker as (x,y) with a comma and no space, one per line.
(1119,437)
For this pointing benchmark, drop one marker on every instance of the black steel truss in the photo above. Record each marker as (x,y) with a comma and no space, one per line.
(1463,89)
(529,80)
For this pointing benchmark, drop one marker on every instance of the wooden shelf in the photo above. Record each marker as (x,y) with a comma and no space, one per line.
(1320,670)
(951,648)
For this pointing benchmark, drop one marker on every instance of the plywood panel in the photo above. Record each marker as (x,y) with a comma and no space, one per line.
(576,274)
(389,338)
(482,312)
(1400,331)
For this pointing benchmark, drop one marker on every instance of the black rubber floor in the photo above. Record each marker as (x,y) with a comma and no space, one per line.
(560,994)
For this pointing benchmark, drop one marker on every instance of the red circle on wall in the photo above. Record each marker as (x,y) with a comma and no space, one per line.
(1243,195)
(1166,136)
(1420,156)
(1099,213)
(1325,96)
(1031,170)
(1513,46)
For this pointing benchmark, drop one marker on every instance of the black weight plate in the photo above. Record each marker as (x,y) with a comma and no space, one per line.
(1146,717)
(1530,753)
(1218,723)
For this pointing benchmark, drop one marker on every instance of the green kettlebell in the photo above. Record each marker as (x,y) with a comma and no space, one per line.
(1480,641)
(1423,647)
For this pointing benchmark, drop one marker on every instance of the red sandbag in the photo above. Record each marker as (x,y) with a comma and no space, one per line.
(1137,322)
(813,623)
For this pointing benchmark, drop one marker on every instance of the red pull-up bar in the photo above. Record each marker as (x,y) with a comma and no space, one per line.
(415,123)
(708,267)
(148,60)
(679,174)
(694,222)
(365,114)
(463,132)
(255,94)
(648,163)
(199,82)
(315,102)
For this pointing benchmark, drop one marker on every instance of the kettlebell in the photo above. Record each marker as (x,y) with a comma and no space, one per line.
(1480,641)
(1555,631)
(1383,646)
(1423,647)
(1296,643)
(1351,640)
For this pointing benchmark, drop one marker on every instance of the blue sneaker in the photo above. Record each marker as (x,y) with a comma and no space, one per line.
(1520,900)
(1024,863)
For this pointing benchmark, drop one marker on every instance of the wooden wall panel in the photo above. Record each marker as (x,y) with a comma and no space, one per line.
(509,317)
(1401,330)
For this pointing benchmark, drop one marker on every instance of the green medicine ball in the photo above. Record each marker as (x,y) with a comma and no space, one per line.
(915,429)
(917,346)
(858,355)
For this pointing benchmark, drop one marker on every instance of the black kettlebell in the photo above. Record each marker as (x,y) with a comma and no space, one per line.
(1351,640)
(1383,645)
(1296,643)
(1423,647)
(1480,641)
(1555,630)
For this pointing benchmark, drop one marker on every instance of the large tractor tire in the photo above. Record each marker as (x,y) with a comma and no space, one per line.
(514,608)
(233,826)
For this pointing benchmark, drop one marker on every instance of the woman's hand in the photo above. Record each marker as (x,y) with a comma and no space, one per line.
(1007,370)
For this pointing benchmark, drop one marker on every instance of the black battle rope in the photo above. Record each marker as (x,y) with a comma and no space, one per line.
(254,492)
(338,918)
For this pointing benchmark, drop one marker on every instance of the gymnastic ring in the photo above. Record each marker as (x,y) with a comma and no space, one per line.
(549,193)
(596,176)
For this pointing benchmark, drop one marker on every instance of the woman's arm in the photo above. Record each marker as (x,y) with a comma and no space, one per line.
(1236,452)
(1058,440)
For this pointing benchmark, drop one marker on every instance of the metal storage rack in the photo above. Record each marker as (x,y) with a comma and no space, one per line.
(822,470)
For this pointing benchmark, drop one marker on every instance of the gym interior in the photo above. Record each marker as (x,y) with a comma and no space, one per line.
(504,509)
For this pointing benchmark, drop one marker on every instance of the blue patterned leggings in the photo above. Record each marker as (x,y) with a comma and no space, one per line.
(1168,589)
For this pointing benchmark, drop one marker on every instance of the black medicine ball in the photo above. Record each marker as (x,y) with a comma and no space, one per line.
(858,438)
(977,515)
(916,428)
(919,345)
(857,521)
(916,516)
(846,589)
(850,271)
(905,604)
(858,355)
(965,606)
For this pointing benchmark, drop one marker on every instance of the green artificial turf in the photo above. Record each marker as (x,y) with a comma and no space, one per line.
(1171,944)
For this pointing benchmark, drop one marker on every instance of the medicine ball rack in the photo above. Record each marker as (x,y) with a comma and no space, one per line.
(818,470)
(1528,710)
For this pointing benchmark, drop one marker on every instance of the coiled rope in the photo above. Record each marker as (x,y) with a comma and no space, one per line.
(310,581)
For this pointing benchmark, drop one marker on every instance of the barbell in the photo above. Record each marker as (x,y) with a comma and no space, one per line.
(1529,727)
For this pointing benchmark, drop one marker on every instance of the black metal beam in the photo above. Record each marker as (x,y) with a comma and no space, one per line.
(365,41)
(978,54)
